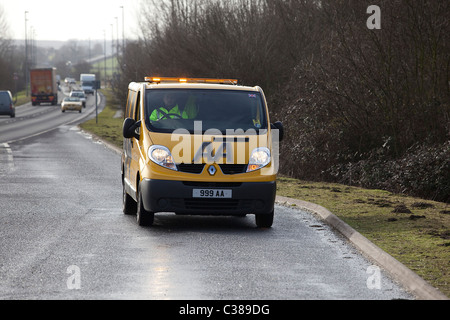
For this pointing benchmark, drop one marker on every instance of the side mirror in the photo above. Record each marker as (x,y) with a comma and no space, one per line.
(129,128)
(278,126)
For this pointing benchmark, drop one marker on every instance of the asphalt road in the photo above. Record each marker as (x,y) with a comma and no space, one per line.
(64,236)
(32,120)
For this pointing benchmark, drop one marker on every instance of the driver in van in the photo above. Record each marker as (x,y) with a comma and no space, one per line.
(171,110)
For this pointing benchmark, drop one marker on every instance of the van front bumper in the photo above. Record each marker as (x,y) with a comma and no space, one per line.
(177,196)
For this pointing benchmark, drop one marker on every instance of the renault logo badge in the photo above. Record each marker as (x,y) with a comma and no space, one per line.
(212,170)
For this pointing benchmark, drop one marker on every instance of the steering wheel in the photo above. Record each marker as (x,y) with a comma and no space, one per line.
(170,116)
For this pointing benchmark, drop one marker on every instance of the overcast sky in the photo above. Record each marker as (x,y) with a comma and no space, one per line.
(76,19)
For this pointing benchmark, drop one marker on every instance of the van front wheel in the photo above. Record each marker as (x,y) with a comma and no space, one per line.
(264,220)
(144,218)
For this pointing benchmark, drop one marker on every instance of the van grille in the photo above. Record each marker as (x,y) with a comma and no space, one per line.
(226,168)
(233,168)
(217,204)
(212,184)
(191,168)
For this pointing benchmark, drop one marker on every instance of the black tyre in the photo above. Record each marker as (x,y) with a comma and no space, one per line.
(143,217)
(129,206)
(264,220)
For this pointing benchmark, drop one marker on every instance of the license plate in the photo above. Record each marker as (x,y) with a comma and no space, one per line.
(212,193)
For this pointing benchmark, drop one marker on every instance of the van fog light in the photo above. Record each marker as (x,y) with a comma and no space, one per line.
(259,158)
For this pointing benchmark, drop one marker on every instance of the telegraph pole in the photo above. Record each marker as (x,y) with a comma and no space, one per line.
(26,53)
(123,28)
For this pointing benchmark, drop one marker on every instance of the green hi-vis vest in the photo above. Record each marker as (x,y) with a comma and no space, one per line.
(162,112)
(190,112)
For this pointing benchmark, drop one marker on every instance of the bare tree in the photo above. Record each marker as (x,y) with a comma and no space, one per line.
(5,41)
(6,73)
(371,95)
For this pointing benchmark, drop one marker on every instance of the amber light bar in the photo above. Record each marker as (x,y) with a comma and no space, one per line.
(191,80)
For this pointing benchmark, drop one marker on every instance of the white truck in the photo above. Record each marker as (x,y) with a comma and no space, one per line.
(87,82)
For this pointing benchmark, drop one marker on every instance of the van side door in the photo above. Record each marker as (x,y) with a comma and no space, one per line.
(135,147)
(129,148)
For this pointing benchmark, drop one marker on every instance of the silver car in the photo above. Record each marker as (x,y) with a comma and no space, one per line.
(79,94)
(7,104)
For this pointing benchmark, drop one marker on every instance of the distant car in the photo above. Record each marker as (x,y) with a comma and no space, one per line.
(7,104)
(71,103)
(70,81)
(79,94)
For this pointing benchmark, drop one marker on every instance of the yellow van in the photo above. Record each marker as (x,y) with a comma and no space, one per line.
(199,146)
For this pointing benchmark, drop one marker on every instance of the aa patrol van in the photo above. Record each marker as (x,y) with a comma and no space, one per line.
(198,146)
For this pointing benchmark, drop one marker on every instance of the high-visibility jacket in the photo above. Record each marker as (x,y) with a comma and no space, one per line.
(162,112)
(189,112)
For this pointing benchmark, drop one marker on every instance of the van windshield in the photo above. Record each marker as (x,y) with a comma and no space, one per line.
(169,109)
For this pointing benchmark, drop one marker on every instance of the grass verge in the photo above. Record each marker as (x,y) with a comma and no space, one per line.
(110,121)
(21,98)
(414,231)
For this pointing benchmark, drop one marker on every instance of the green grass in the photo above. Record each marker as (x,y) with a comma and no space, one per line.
(109,126)
(21,98)
(420,239)
(99,67)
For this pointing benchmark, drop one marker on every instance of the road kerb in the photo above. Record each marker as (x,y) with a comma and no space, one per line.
(409,279)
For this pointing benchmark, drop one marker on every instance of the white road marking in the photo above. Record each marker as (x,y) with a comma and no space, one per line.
(6,158)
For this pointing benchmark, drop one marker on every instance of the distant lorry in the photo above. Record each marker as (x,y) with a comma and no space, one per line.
(87,82)
(44,87)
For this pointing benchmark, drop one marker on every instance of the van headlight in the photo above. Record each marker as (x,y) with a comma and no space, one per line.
(162,156)
(259,158)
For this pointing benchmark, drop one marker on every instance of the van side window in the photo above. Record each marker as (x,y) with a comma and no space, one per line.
(137,112)
(127,107)
(130,104)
